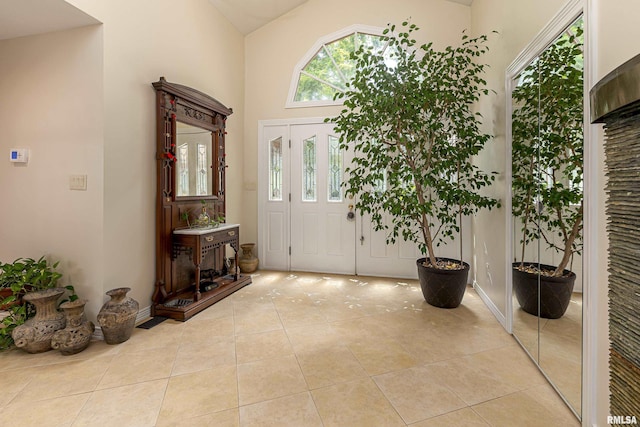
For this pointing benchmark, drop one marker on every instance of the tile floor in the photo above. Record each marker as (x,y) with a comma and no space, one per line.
(294,350)
(557,344)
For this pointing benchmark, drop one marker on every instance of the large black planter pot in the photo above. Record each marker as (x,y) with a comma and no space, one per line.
(555,292)
(442,288)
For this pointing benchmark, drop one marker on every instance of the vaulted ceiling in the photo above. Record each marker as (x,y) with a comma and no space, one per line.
(20,18)
(249,15)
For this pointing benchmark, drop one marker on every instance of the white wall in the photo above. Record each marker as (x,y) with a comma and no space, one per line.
(273,51)
(53,104)
(188,42)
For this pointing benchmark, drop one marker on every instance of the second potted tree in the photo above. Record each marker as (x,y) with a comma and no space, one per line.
(547,167)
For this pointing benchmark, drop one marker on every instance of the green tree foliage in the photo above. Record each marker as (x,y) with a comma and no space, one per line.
(547,150)
(411,125)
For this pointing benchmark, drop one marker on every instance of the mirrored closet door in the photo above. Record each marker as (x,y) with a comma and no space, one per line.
(546,115)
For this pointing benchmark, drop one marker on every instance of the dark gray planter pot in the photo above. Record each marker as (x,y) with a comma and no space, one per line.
(554,295)
(442,288)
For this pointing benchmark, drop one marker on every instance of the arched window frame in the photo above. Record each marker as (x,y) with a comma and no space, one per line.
(311,53)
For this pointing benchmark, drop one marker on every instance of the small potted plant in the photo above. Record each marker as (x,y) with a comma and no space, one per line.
(409,119)
(18,278)
(202,219)
(547,167)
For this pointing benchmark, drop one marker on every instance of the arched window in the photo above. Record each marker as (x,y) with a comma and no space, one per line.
(327,66)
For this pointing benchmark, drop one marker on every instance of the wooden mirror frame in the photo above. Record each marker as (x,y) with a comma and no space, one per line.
(178,103)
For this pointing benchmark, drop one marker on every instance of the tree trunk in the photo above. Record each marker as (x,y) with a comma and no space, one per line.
(569,243)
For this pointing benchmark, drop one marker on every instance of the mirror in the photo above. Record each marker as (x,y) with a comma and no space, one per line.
(194,159)
(547,119)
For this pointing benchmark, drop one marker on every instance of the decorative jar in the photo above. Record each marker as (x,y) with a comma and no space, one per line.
(117,317)
(76,336)
(34,335)
(248,262)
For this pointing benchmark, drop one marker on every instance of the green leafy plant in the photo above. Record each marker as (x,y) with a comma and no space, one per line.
(202,218)
(19,277)
(408,116)
(547,149)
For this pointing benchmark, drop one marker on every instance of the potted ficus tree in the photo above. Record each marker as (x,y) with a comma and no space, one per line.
(408,117)
(547,166)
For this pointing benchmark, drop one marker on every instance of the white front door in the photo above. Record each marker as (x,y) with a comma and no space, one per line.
(303,219)
(322,235)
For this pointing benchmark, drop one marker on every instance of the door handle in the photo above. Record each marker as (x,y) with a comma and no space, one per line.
(351,215)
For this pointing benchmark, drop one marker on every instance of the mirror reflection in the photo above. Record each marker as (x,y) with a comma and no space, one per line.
(547,207)
(193,161)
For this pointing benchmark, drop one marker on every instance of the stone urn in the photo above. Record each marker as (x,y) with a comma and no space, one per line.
(248,262)
(76,336)
(34,335)
(117,317)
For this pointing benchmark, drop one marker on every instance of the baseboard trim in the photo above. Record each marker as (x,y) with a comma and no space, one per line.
(490,305)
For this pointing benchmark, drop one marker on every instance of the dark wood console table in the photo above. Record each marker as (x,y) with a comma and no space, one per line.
(197,243)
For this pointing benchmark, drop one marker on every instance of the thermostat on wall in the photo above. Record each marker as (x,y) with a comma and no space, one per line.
(19,155)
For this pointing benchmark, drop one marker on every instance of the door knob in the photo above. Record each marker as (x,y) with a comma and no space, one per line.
(351,215)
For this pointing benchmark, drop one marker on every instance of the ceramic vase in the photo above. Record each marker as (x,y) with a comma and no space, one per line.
(34,336)
(248,262)
(76,336)
(117,317)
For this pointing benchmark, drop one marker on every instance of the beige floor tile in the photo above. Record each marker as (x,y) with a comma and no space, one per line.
(202,356)
(408,387)
(207,330)
(565,374)
(131,368)
(426,348)
(523,410)
(341,309)
(548,397)
(407,321)
(329,366)
(64,379)
(269,379)
(222,309)
(294,410)
(200,393)
(15,358)
(510,364)
(313,337)
(162,337)
(254,297)
(130,405)
(381,356)
(60,411)
(354,404)
(264,345)
(464,417)
(298,310)
(268,344)
(228,418)
(362,328)
(252,321)
(13,383)
(472,384)
(464,338)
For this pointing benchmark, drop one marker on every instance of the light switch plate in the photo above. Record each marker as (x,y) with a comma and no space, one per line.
(78,182)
